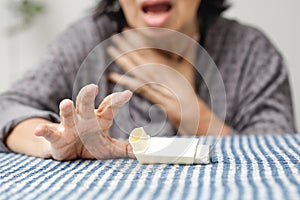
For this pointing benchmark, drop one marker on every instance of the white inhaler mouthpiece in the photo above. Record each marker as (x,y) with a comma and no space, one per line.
(139,140)
(168,150)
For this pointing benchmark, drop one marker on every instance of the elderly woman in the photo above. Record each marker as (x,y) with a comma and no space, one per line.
(253,73)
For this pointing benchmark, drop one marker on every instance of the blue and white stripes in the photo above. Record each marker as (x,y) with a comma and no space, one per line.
(244,167)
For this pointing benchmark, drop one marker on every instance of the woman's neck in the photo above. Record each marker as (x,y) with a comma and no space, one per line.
(193,29)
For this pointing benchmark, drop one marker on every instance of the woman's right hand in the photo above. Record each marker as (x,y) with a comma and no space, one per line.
(83,131)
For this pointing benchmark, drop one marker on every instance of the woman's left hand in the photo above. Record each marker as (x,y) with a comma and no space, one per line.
(167,80)
(162,78)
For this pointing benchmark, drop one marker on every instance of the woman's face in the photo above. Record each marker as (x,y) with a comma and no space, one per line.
(179,15)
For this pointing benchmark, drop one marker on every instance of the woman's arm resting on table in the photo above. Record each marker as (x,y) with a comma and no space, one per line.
(82,133)
(23,140)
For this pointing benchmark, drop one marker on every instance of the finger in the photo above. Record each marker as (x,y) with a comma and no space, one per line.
(121,149)
(67,113)
(109,107)
(154,92)
(122,60)
(132,83)
(49,132)
(112,103)
(85,101)
(122,45)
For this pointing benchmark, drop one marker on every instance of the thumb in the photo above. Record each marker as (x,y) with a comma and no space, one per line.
(110,106)
(48,131)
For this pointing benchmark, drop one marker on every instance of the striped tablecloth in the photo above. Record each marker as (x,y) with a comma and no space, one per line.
(244,167)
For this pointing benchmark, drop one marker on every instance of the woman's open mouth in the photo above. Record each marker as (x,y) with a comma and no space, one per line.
(156,12)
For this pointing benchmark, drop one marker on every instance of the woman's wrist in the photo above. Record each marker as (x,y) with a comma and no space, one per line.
(210,123)
(200,121)
(23,140)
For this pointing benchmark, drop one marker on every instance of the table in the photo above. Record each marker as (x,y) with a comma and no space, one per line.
(244,167)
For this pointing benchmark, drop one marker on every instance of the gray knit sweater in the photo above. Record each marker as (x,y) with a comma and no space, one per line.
(258,99)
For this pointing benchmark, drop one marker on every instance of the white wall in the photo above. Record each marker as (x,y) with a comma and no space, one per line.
(20,52)
(278,19)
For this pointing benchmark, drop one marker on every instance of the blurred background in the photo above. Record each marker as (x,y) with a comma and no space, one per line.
(27,28)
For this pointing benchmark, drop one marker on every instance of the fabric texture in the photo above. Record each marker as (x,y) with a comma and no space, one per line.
(244,167)
(258,98)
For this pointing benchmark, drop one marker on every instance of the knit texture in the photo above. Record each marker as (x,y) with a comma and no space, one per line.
(244,167)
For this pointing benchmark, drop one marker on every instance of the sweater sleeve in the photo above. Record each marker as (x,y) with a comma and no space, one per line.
(264,104)
(39,92)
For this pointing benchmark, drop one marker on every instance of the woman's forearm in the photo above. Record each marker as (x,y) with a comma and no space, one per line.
(193,121)
(209,123)
(23,140)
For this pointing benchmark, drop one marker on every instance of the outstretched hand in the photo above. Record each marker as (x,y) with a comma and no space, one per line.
(83,131)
